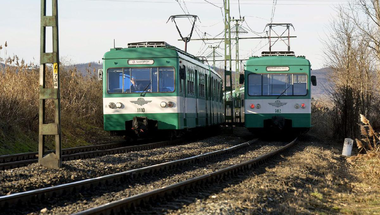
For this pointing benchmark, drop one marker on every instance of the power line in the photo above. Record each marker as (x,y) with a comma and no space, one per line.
(252,31)
(213,4)
(221,8)
(273,10)
(248,2)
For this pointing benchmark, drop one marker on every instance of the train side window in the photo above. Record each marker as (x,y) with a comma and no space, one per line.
(299,85)
(216,90)
(166,80)
(154,79)
(212,92)
(115,80)
(188,86)
(254,84)
(201,85)
(182,77)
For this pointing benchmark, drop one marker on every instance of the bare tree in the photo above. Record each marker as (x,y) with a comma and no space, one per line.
(351,60)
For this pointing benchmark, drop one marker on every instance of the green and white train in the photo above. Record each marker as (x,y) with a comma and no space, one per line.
(277,93)
(153,87)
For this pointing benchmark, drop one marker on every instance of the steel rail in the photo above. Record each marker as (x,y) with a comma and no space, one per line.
(32,155)
(85,152)
(130,204)
(37,195)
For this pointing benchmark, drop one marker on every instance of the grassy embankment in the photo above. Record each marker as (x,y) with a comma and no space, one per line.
(363,173)
(81,107)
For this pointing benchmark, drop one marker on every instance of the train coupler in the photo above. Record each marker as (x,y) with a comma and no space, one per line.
(142,126)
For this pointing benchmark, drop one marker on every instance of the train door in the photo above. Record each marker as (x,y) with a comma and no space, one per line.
(207,99)
(182,87)
(210,98)
(196,85)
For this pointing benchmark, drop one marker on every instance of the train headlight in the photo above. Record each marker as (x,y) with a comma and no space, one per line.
(112,105)
(163,104)
(258,106)
(303,106)
(119,105)
(296,106)
(252,106)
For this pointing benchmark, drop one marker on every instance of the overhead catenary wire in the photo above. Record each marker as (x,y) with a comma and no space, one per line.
(273,10)
(245,2)
(221,8)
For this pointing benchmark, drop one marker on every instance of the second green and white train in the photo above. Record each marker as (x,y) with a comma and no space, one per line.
(277,94)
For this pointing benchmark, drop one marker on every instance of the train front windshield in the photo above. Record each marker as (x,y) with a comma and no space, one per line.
(138,80)
(277,84)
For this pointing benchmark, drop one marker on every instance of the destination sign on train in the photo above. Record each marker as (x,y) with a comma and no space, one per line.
(277,68)
(134,62)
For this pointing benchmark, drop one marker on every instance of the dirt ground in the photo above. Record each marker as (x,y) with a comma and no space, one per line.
(311,178)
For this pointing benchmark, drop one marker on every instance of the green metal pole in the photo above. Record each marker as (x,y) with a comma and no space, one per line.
(228,102)
(54,159)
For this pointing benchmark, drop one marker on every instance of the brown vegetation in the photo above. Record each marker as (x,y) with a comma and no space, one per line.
(370,139)
(81,106)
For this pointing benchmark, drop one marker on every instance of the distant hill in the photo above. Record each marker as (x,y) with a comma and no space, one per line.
(83,67)
(323,83)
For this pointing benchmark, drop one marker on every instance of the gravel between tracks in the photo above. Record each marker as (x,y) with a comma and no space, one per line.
(83,201)
(310,178)
(35,176)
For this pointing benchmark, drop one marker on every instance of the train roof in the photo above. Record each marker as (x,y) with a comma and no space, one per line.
(153,49)
(278,61)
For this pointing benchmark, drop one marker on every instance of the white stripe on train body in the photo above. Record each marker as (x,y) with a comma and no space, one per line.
(277,106)
(133,105)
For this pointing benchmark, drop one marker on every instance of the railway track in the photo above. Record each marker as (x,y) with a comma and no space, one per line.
(149,202)
(23,159)
(142,174)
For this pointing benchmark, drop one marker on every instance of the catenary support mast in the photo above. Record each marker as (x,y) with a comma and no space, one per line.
(49,127)
(228,109)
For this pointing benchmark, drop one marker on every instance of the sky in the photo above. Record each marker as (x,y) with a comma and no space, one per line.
(90,28)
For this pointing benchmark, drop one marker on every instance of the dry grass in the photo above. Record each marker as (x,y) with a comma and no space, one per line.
(81,106)
(321,120)
(364,198)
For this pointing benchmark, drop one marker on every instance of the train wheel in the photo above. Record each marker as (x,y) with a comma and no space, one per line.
(175,134)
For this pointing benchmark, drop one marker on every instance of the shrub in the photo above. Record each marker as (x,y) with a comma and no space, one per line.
(81,106)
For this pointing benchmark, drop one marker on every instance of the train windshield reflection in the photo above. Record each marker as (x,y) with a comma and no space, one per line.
(138,80)
(277,84)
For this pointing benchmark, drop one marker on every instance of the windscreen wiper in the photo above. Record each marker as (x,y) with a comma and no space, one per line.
(284,91)
(144,91)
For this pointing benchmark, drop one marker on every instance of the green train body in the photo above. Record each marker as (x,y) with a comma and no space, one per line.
(278,93)
(152,86)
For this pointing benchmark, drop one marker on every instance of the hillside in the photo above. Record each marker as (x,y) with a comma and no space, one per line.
(323,84)
(85,67)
